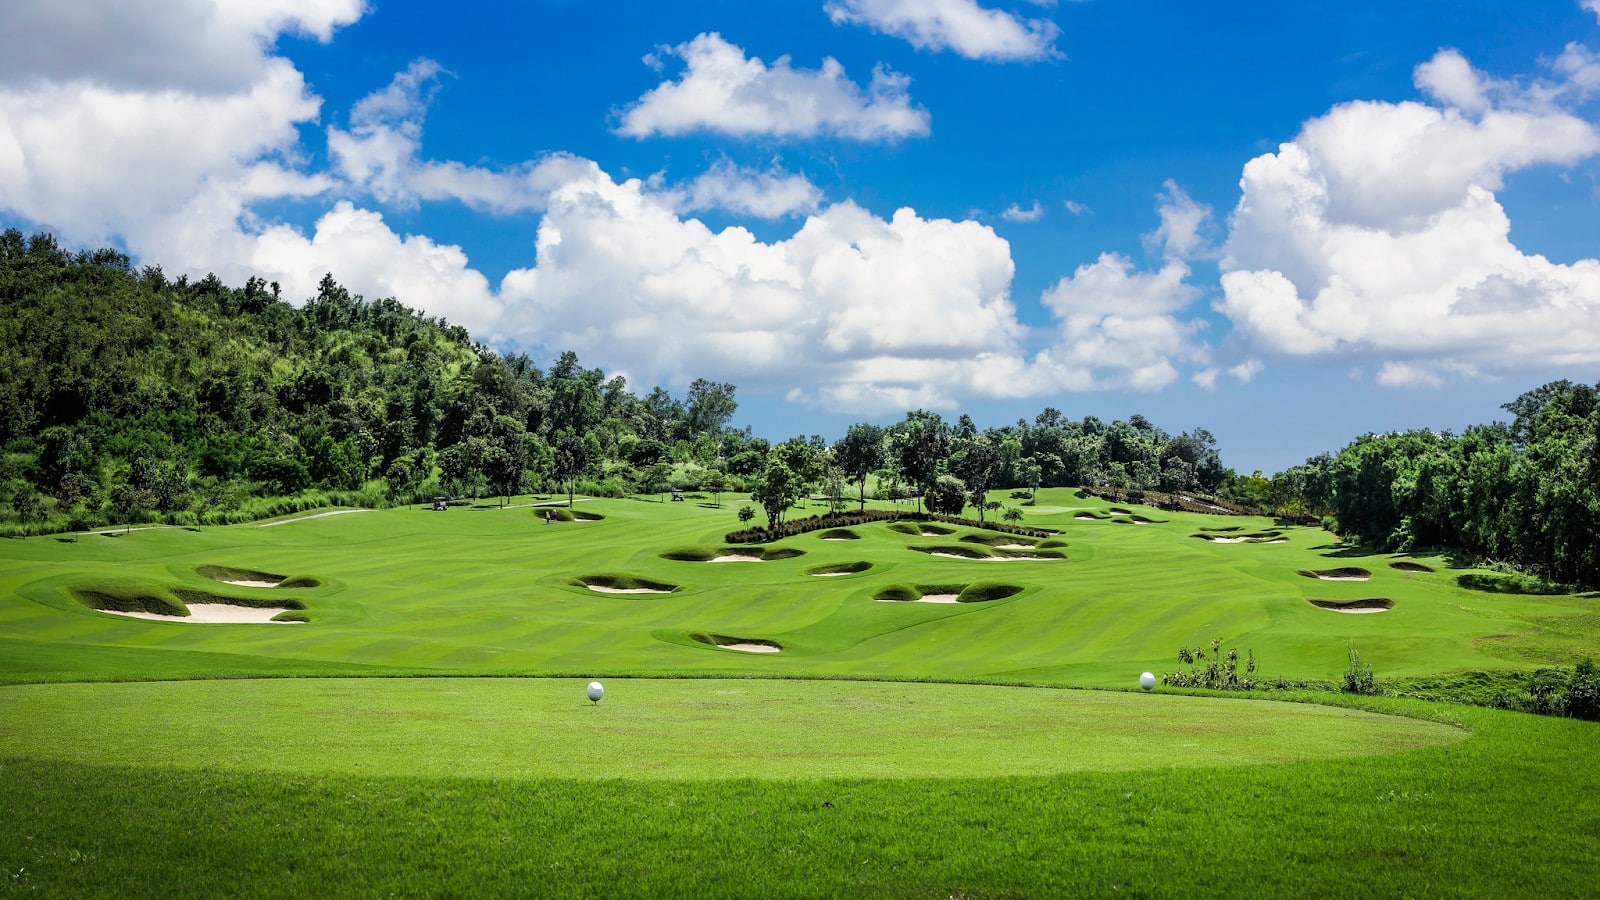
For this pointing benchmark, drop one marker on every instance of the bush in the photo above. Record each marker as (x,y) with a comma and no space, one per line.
(1219,672)
(1358,678)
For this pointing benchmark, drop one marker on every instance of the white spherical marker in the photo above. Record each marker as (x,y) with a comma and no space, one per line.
(595,691)
(1146,681)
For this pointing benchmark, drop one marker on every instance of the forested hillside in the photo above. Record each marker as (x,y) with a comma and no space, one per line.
(126,396)
(130,397)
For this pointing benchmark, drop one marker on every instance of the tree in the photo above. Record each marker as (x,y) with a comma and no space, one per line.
(715,482)
(710,406)
(777,489)
(976,461)
(918,446)
(860,453)
(947,495)
(575,456)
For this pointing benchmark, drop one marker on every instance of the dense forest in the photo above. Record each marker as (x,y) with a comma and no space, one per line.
(130,397)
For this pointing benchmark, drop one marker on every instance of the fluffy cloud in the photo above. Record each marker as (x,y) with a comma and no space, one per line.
(959,25)
(1182,223)
(773,194)
(857,308)
(1376,233)
(1119,327)
(381,155)
(198,46)
(723,90)
(1592,6)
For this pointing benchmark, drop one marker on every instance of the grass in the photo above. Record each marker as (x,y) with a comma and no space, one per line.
(808,782)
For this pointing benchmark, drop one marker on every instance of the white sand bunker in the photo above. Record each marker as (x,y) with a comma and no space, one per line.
(603,589)
(925,598)
(751,648)
(1355,607)
(1085,517)
(256,584)
(216,614)
(736,558)
(829,574)
(1225,540)
(321,515)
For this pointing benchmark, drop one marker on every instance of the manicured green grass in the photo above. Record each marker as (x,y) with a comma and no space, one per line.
(520,729)
(163,793)
(1476,818)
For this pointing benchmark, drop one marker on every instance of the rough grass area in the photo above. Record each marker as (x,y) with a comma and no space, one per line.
(129,595)
(619,581)
(1503,583)
(229,573)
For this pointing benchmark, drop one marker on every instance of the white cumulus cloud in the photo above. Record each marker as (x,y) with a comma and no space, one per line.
(1376,233)
(962,26)
(723,90)
(771,194)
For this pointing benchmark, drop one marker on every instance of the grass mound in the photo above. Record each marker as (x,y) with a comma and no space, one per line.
(300,581)
(960,550)
(292,616)
(1052,544)
(1508,584)
(1406,565)
(1007,553)
(229,573)
(554,514)
(743,644)
(1370,604)
(995,540)
(196,595)
(905,528)
(908,593)
(984,591)
(129,596)
(614,581)
(1347,573)
(840,534)
(849,568)
(1221,527)
(1120,511)
(928,529)
(1088,516)
(708,554)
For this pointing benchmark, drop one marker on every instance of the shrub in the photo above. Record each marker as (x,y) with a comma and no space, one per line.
(1218,672)
(1358,677)
(987,590)
(1583,692)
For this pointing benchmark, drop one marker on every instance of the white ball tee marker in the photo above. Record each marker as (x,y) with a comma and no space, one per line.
(595,691)
(1147,681)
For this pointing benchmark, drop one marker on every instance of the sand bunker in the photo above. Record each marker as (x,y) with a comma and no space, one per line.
(925,598)
(752,648)
(1013,546)
(1086,517)
(602,589)
(256,584)
(735,558)
(1346,574)
(1355,607)
(216,614)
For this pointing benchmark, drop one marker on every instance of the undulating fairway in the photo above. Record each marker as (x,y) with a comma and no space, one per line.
(871,710)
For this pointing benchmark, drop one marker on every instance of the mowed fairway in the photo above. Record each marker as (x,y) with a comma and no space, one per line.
(673,729)
(141,757)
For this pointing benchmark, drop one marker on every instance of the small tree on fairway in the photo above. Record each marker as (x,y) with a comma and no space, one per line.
(860,453)
(746,513)
(715,482)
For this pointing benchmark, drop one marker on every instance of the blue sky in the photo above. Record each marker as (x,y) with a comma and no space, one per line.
(1287,223)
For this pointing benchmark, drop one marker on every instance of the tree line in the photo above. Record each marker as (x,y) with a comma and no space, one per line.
(129,396)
